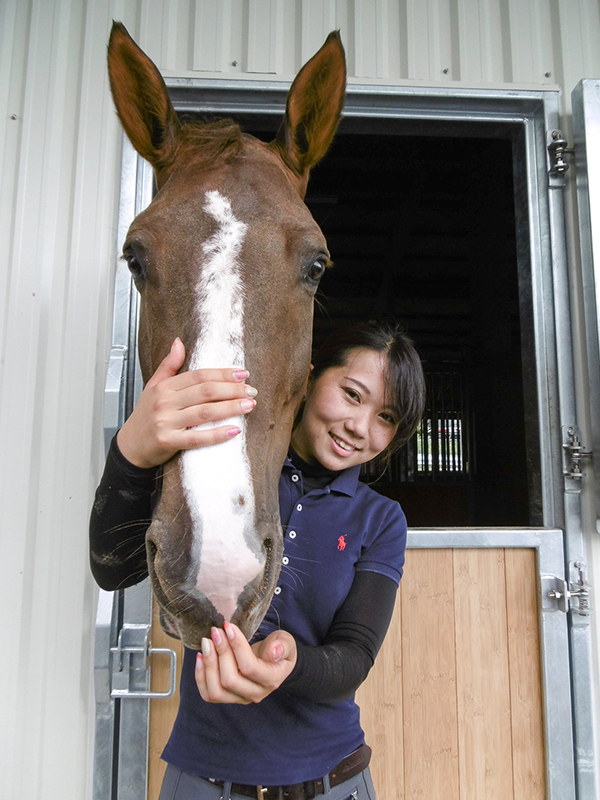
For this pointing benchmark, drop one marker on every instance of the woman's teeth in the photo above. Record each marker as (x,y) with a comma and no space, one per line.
(342,444)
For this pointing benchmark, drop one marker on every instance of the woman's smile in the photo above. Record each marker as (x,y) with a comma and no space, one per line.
(346,420)
(343,445)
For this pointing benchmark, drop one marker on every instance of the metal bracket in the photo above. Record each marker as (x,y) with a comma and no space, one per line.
(131,663)
(574,453)
(558,149)
(558,595)
(581,591)
(554,593)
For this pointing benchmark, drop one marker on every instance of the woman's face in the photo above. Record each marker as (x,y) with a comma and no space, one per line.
(346,420)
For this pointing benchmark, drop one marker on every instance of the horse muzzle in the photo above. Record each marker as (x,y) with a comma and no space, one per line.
(198,587)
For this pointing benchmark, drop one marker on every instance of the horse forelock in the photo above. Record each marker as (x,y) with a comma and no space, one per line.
(211,143)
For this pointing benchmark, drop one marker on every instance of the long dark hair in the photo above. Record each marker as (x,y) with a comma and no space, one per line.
(403,377)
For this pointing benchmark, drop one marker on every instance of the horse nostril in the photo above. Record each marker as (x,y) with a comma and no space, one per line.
(151,550)
(268,545)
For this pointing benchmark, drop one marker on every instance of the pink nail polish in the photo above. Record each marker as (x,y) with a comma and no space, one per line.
(277,652)
(233,432)
(240,374)
(248,404)
(199,661)
(229,630)
(216,636)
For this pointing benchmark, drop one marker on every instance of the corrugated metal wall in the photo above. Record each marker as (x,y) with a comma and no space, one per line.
(59,165)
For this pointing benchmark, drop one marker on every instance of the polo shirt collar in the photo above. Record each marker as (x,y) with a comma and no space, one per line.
(345,483)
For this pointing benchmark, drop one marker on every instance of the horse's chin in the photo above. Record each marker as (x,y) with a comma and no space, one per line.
(191,634)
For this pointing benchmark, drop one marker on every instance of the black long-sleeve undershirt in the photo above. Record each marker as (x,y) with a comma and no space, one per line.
(120,516)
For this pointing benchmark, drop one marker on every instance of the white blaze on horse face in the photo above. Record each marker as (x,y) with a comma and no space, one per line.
(217,480)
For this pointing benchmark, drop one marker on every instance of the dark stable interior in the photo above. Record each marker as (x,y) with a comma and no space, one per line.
(427,228)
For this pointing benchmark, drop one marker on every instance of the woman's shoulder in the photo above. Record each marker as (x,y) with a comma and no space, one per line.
(384,505)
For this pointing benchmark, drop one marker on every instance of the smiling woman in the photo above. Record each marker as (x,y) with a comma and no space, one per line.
(380,377)
(350,421)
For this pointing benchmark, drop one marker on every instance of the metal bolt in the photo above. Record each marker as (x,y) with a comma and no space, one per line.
(14,116)
(547,74)
(234,63)
(445,70)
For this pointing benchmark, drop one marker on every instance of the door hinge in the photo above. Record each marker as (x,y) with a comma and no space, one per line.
(574,452)
(557,150)
(131,663)
(560,595)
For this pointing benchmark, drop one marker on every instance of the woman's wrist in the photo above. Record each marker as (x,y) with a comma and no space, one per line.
(130,453)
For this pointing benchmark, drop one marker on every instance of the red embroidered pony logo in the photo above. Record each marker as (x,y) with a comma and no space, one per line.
(342,542)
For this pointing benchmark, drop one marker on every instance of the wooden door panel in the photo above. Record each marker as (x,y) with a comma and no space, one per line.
(164,710)
(465,632)
(453,705)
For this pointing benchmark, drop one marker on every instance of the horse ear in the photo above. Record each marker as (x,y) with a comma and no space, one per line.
(141,99)
(313,109)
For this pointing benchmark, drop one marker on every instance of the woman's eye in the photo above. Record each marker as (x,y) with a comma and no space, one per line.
(352,394)
(389,418)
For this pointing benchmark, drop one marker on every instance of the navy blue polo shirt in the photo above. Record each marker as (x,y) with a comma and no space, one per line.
(330,533)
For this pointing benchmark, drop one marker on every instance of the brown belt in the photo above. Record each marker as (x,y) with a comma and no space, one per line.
(347,768)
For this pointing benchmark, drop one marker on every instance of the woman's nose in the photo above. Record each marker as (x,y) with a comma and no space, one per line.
(358,423)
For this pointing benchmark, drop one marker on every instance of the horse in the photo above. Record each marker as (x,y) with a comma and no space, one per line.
(227,257)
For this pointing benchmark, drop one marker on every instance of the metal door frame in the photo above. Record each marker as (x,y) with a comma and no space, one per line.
(586,129)
(538,114)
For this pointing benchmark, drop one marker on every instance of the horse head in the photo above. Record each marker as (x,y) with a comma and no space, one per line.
(228,258)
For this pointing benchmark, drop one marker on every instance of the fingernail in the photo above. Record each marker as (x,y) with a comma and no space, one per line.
(199,661)
(251,391)
(216,636)
(229,630)
(277,652)
(205,647)
(233,432)
(247,405)
(241,374)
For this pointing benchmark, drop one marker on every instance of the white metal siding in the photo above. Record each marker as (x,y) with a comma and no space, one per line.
(59,165)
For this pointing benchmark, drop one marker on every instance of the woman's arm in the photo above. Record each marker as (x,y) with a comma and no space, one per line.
(335,670)
(121,514)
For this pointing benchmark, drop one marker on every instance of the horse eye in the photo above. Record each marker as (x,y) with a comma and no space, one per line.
(315,272)
(135,267)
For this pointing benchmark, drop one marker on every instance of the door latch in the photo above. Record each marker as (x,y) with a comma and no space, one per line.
(131,663)
(574,453)
(558,594)
(558,149)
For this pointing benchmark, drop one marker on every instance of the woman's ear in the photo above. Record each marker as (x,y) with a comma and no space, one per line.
(309,380)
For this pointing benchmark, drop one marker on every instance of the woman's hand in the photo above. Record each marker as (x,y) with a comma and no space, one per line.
(171,405)
(229,670)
